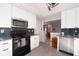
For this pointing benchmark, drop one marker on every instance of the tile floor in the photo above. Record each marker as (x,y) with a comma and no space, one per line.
(45,50)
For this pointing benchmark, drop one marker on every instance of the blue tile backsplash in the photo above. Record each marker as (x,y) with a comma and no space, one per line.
(5,32)
(71,32)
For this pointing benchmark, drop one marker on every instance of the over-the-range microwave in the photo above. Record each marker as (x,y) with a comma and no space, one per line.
(19,23)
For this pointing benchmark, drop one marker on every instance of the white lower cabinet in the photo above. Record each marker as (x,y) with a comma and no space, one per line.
(76,46)
(67,44)
(34,42)
(63,45)
(6,48)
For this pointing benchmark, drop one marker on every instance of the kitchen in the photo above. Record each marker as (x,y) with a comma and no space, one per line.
(20,29)
(13,29)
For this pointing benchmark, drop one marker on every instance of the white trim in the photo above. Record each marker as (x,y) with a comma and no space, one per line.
(57,43)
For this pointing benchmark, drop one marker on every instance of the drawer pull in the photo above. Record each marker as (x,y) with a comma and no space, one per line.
(5,49)
(4,43)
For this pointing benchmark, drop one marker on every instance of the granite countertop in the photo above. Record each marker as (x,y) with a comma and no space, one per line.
(34,35)
(5,38)
(70,36)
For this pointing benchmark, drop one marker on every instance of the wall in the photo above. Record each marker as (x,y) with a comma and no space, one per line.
(52,17)
(56,25)
(39,28)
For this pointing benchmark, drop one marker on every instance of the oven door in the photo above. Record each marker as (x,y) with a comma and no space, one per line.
(21,47)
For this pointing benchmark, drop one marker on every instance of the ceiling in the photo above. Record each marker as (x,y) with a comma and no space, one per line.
(41,10)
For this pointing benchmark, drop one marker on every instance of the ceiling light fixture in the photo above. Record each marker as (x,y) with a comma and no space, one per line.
(51,5)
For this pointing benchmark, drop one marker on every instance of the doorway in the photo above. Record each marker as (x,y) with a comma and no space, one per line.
(52,27)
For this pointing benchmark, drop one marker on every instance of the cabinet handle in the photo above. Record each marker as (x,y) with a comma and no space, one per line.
(5,49)
(4,43)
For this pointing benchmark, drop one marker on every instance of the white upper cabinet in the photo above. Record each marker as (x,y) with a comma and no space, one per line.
(18,13)
(63,20)
(68,18)
(5,15)
(24,15)
(8,11)
(77,17)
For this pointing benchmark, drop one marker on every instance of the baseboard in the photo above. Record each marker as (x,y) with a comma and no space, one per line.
(66,52)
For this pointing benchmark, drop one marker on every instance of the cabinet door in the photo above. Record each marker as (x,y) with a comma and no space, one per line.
(76,46)
(77,17)
(6,52)
(34,42)
(5,15)
(63,19)
(70,18)
(70,45)
(18,13)
(63,44)
(6,48)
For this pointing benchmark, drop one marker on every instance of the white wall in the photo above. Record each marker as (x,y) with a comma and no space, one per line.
(39,28)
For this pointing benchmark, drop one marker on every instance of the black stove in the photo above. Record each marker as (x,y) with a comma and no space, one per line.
(21,40)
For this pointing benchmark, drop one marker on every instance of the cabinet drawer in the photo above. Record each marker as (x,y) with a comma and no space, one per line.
(76,53)
(5,44)
(6,52)
(2,48)
(34,37)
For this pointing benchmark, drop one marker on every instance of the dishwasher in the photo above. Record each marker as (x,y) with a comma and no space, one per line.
(66,44)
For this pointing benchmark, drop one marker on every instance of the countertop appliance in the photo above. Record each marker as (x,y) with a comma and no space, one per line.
(21,40)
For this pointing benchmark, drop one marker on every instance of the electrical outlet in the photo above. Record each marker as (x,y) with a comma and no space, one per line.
(2,31)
